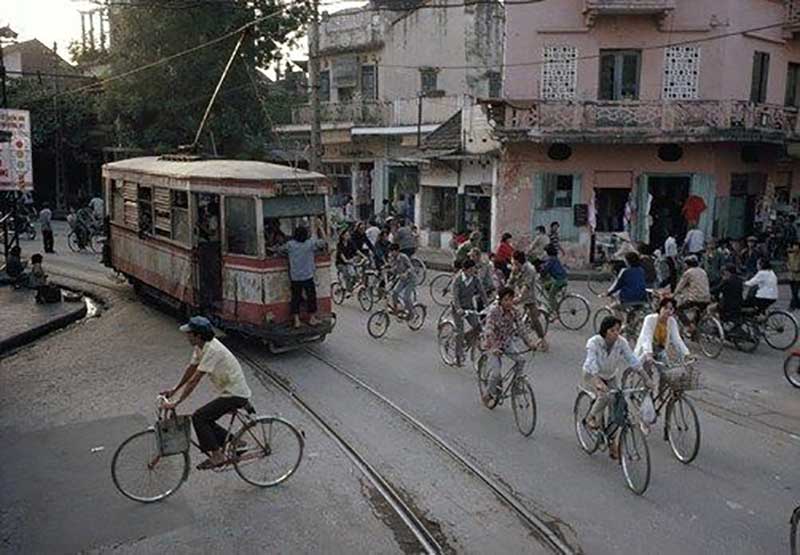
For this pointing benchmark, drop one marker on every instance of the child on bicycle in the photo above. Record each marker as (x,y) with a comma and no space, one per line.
(503,336)
(402,270)
(607,356)
(554,275)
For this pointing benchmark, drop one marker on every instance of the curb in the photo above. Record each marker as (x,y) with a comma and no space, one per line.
(32,334)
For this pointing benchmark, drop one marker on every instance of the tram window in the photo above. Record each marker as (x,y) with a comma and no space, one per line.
(283,214)
(240,226)
(180,216)
(144,201)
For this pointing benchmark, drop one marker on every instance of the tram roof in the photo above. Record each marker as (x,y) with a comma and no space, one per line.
(239,170)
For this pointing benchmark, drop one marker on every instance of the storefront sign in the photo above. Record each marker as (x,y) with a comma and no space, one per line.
(16,159)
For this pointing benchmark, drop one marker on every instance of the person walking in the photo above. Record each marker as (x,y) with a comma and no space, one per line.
(45,223)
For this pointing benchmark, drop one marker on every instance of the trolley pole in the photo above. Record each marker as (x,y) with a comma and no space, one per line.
(313,78)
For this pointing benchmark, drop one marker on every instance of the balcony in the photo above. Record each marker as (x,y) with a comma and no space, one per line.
(645,122)
(400,112)
(791,17)
(596,8)
(355,31)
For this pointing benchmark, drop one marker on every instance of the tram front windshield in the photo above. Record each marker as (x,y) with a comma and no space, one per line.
(283,214)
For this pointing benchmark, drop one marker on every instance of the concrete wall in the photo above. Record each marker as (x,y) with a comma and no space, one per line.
(725,66)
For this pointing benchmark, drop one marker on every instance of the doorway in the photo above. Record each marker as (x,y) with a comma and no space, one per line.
(208,260)
(669,196)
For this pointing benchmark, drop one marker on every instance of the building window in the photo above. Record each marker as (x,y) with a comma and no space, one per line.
(792,84)
(428,78)
(162,217)
(241,235)
(344,95)
(619,74)
(495,84)
(758,86)
(559,73)
(180,216)
(557,191)
(610,205)
(144,203)
(117,201)
(369,82)
(325,86)
(681,73)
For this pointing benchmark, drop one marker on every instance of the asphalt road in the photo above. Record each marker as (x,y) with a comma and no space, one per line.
(735,498)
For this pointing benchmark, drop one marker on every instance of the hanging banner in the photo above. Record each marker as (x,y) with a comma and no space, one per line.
(16,157)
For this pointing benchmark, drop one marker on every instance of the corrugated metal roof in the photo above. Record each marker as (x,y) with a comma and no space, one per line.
(243,170)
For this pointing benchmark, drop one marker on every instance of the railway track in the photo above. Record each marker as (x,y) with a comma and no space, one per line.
(416,525)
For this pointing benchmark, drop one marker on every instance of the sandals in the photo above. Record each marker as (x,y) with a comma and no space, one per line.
(208,464)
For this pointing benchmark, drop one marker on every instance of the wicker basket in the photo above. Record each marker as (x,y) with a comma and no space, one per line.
(683,378)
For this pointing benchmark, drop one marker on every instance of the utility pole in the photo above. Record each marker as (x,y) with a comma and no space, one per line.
(313,78)
(60,206)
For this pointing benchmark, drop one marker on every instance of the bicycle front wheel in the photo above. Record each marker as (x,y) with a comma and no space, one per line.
(365,299)
(635,458)
(417,318)
(710,336)
(683,429)
(420,271)
(587,439)
(524,404)
(337,292)
(791,369)
(140,472)
(440,289)
(573,311)
(377,324)
(273,449)
(483,372)
(599,282)
(72,242)
(446,336)
(780,330)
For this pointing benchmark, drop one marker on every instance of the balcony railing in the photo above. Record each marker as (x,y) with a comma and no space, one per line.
(647,121)
(791,18)
(383,113)
(594,8)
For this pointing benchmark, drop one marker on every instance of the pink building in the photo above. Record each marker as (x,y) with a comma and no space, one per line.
(632,107)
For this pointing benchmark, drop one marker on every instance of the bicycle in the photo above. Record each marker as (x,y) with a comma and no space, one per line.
(378,322)
(420,269)
(571,310)
(708,332)
(93,239)
(681,424)
(633,315)
(447,336)
(264,451)
(365,279)
(440,287)
(518,388)
(634,453)
(605,268)
(791,368)
(777,328)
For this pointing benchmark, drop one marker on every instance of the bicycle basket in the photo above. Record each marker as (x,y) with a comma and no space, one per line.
(682,379)
(173,434)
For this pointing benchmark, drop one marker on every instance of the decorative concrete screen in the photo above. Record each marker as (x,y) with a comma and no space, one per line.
(681,73)
(559,73)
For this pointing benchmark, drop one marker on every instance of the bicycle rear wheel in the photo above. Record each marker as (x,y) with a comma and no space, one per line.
(780,330)
(710,336)
(273,451)
(791,369)
(744,337)
(365,299)
(635,458)
(417,318)
(337,292)
(96,242)
(140,472)
(524,404)
(483,372)
(420,271)
(440,289)
(446,337)
(587,439)
(378,323)
(72,242)
(683,429)
(600,281)
(573,311)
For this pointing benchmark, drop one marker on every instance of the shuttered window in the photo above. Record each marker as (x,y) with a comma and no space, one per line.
(162,217)
(180,216)
(144,203)
(758,86)
(131,210)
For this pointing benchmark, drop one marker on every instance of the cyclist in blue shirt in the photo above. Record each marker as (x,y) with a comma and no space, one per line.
(554,274)
(630,285)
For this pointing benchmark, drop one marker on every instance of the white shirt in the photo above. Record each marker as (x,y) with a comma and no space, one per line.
(372,234)
(695,241)
(608,364)
(767,283)
(670,246)
(222,368)
(644,344)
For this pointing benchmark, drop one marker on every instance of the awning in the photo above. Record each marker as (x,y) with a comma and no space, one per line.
(395,130)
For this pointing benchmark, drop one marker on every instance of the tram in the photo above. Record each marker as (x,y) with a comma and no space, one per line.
(199,234)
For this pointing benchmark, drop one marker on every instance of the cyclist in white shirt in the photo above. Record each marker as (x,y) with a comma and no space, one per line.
(767,283)
(210,357)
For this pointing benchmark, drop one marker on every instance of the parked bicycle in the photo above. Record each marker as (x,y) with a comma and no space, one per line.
(621,417)
(517,387)
(151,465)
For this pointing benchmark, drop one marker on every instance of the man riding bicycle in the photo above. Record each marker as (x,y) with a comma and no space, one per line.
(608,355)
(402,270)
(503,336)
(523,281)
(465,289)
(630,285)
(692,292)
(210,357)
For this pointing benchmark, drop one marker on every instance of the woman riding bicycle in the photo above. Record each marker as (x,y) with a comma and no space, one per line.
(660,332)
(608,355)
(502,336)
(210,357)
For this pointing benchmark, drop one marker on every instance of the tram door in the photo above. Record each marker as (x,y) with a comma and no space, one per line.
(208,267)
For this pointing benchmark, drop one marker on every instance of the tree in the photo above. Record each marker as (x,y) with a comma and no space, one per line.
(161,107)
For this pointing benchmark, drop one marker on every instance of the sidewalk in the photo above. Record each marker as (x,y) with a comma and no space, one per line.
(22,320)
